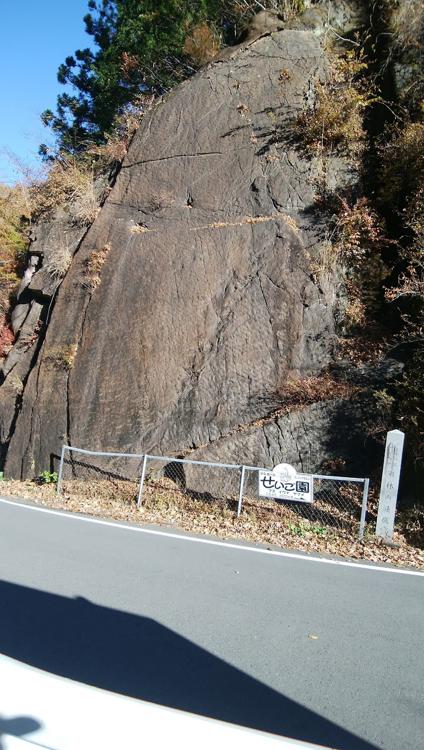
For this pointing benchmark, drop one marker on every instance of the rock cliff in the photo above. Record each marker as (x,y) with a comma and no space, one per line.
(190,300)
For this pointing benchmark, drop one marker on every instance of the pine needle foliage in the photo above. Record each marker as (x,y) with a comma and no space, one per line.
(141,47)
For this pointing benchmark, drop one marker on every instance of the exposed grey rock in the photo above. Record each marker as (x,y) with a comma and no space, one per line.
(52,246)
(191,298)
(301,437)
(305,438)
(332,16)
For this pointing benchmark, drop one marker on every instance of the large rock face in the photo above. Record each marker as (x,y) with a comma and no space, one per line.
(191,299)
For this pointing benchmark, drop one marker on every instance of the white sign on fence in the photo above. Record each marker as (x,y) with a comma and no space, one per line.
(299,488)
(389,484)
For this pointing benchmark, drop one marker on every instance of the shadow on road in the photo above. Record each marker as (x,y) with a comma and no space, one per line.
(17,727)
(137,656)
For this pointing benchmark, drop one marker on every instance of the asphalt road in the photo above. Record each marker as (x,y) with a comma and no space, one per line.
(327,653)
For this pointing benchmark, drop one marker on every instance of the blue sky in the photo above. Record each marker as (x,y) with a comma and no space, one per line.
(35,37)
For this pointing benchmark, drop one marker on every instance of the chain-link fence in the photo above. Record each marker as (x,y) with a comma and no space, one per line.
(332,503)
(109,475)
(322,503)
(199,480)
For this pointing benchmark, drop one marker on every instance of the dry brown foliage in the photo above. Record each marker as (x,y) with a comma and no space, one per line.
(356,243)
(63,357)
(406,24)
(323,262)
(264,522)
(14,206)
(411,283)
(303,391)
(335,123)
(117,142)
(59,261)
(403,190)
(94,265)
(202,44)
(7,337)
(287,8)
(367,346)
(129,64)
(68,184)
(402,158)
(358,230)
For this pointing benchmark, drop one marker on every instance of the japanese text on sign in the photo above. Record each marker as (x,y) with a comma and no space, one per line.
(389,484)
(298,488)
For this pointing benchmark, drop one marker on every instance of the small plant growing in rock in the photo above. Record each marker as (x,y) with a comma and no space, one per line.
(94,265)
(284,76)
(63,358)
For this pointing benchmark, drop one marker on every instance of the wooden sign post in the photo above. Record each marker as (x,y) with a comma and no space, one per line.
(389,484)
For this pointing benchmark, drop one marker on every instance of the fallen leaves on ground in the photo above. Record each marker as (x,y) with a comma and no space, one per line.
(269,523)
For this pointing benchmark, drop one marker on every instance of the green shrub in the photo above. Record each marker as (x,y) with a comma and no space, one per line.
(48,477)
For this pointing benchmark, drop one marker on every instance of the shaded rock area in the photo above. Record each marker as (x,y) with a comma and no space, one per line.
(191,296)
(333,18)
(306,438)
(52,246)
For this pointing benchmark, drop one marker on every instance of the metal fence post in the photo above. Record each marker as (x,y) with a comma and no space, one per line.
(240,500)
(60,473)
(364,509)
(143,474)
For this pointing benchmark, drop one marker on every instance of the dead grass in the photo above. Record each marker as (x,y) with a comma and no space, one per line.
(324,262)
(405,20)
(94,265)
(299,392)
(202,44)
(14,214)
(139,229)
(117,142)
(246,220)
(60,260)
(63,358)
(335,122)
(265,522)
(368,346)
(68,184)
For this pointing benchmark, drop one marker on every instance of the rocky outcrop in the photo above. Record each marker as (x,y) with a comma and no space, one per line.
(52,245)
(191,298)
(332,18)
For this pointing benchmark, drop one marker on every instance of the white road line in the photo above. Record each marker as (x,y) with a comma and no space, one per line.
(214,542)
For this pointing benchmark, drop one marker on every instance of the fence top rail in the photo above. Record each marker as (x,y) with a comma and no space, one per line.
(339,479)
(216,465)
(189,461)
(102,453)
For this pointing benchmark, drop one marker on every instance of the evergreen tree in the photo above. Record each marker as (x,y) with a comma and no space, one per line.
(141,47)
